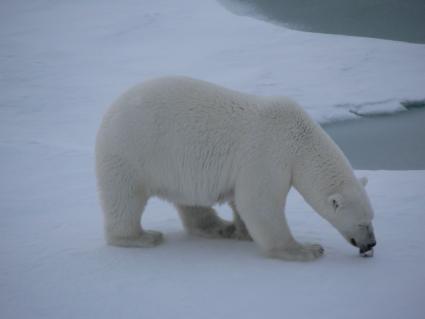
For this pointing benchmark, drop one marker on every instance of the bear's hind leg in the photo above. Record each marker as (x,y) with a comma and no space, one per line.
(241,230)
(204,222)
(123,201)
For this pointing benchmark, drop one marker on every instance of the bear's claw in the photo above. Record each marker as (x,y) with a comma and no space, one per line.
(299,252)
(148,238)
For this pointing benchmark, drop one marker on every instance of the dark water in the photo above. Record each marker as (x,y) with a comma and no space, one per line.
(387,19)
(393,142)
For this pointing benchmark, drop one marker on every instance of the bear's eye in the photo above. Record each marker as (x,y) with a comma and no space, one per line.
(335,200)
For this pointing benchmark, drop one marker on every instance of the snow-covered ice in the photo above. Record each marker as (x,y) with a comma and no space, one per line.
(55,264)
(63,62)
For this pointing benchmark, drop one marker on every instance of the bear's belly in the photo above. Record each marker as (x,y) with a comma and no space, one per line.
(189,179)
(195,198)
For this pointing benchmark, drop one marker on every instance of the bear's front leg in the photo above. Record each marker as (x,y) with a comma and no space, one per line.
(261,208)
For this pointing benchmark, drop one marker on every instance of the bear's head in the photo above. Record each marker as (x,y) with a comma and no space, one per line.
(351,213)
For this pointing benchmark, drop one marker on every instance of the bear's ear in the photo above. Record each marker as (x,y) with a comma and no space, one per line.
(363,180)
(335,200)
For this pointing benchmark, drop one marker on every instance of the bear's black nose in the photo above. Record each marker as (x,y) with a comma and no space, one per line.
(368,247)
(353,242)
(372,244)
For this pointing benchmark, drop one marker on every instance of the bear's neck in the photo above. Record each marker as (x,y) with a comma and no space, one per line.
(320,169)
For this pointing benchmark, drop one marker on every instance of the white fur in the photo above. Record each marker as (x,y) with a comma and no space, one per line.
(195,144)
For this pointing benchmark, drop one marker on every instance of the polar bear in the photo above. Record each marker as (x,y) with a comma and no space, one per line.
(196,144)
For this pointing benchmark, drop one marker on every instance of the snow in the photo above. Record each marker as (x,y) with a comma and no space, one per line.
(63,62)
(55,263)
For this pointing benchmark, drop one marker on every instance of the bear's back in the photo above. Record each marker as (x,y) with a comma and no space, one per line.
(184,136)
